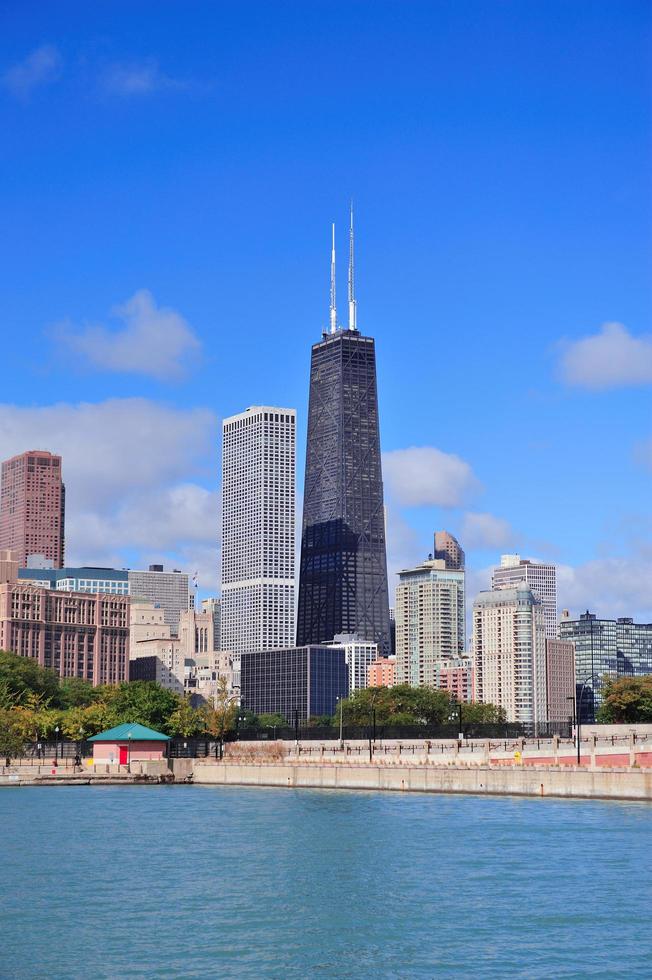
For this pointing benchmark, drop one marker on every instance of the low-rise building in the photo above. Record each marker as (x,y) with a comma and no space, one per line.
(455,675)
(382,672)
(129,743)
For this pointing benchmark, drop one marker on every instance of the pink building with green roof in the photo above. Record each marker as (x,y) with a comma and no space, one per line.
(129,743)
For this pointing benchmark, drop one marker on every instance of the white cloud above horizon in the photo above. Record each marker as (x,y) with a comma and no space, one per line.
(425,476)
(152,340)
(41,67)
(611,358)
(138,78)
(480,530)
(135,475)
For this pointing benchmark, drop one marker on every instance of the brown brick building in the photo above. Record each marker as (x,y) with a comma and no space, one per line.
(76,634)
(32,507)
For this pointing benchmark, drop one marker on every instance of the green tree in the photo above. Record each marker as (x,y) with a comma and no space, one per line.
(271,721)
(219,712)
(144,702)
(399,705)
(626,700)
(478,713)
(11,739)
(74,692)
(186,720)
(22,676)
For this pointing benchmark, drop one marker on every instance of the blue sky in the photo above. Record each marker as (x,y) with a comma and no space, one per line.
(168,176)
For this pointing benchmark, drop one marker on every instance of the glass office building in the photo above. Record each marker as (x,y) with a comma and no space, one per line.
(307,680)
(343,571)
(605,648)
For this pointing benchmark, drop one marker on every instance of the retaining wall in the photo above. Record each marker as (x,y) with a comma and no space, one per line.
(589,784)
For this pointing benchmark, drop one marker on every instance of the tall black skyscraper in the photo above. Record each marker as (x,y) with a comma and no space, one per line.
(343,572)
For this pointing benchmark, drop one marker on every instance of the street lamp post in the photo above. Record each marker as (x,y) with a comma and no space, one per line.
(56,743)
(341,703)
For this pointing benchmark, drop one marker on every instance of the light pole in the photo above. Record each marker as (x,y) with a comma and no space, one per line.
(129,752)
(56,743)
(341,704)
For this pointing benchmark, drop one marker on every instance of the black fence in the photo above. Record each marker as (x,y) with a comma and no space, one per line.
(379,732)
(201,748)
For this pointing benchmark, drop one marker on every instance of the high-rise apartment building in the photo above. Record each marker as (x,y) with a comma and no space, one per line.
(343,572)
(169,590)
(448,548)
(509,649)
(430,621)
(541,578)
(258,524)
(32,507)
(605,648)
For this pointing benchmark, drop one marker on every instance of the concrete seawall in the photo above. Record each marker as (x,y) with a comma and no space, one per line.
(602,784)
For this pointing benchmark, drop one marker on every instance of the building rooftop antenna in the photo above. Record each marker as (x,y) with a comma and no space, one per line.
(353,325)
(333,305)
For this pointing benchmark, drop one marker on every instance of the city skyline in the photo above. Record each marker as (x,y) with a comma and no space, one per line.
(462,239)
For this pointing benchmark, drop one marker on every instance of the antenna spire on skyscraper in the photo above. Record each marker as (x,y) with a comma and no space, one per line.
(333,305)
(352,302)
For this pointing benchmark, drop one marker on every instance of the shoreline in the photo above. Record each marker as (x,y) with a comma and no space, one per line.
(595,783)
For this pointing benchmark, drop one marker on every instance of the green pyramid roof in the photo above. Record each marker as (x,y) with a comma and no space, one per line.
(135,732)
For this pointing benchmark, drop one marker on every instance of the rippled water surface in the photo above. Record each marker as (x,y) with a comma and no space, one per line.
(238,882)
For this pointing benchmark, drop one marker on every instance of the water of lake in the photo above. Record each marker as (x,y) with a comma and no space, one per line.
(187,882)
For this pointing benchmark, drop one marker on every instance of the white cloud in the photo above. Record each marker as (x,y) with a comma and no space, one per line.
(487,531)
(138,78)
(404,548)
(610,587)
(40,67)
(155,341)
(609,359)
(423,475)
(130,467)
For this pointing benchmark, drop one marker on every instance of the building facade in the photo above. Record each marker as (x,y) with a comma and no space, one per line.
(541,578)
(169,590)
(32,507)
(456,677)
(509,650)
(449,550)
(72,633)
(605,649)
(382,672)
(258,527)
(108,581)
(307,680)
(359,654)
(343,572)
(560,679)
(214,607)
(430,621)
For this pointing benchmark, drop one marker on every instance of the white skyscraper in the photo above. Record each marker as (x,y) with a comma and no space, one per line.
(509,650)
(541,578)
(258,515)
(430,621)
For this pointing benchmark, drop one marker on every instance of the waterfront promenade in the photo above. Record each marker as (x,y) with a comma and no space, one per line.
(614,765)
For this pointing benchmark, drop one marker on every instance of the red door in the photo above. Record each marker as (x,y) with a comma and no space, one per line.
(124,755)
